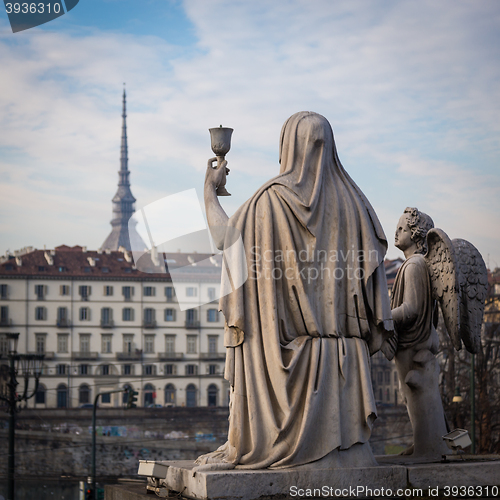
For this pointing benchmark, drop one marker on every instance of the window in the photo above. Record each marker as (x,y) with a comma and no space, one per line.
(191,370)
(62,316)
(64,290)
(127,292)
(86,269)
(191,317)
(211,294)
(40,291)
(85,342)
(62,396)
(149,369)
(169,395)
(169,314)
(149,291)
(127,369)
(127,314)
(84,370)
(212,315)
(149,316)
(395,377)
(106,343)
(105,370)
(191,344)
(61,269)
(84,291)
(170,369)
(105,269)
(106,316)
(213,369)
(387,378)
(169,293)
(169,343)
(84,394)
(149,344)
(4,344)
(191,395)
(62,342)
(191,291)
(4,315)
(84,314)
(4,291)
(128,342)
(106,398)
(61,369)
(40,313)
(212,343)
(40,395)
(212,392)
(40,342)
(108,290)
(149,395)
(380,377)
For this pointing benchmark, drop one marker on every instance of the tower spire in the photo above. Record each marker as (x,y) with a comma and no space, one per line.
(123,201)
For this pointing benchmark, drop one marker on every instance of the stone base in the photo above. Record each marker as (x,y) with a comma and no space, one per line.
(357,483)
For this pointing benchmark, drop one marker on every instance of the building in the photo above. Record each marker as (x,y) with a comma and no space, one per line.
(102,325)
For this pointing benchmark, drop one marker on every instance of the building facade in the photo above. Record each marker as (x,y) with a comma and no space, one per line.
(103,325)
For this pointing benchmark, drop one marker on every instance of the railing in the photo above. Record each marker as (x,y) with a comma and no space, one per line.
(165,356)
(192,324)
(108,323)
(63,323)
(212,355)
(83,355)
(5,322)
(46,355)
(149,324)
(128,356)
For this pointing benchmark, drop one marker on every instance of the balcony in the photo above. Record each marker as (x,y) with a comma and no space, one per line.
(5,322)
(149,324)
(128,356)
(190,324)
(107,323)
(46,355)
(169,356)
(212,356)
(63,323)
(85,355)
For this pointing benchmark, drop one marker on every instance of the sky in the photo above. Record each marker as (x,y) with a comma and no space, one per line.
(411,89)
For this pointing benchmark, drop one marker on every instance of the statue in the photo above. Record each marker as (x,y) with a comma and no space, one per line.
(300,331)
(436,271)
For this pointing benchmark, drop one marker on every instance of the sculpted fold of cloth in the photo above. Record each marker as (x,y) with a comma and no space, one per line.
(300,330)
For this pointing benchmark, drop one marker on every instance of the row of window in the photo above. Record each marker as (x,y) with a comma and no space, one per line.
(128,343)
(129,369)
(128,292)
(149,395)
(385,377)
(128,314)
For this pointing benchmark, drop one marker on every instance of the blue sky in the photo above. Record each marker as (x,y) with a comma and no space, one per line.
(412,90)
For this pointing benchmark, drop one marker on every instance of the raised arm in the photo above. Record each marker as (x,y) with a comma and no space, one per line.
(217,218)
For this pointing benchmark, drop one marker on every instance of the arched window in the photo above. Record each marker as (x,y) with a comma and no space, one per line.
(84,394)
(212,393)
(191,395)
(125,393)
(170,395)
(62,396)
(40,395)
(149,395)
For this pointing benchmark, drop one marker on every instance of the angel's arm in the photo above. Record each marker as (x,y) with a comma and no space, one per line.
(217,218)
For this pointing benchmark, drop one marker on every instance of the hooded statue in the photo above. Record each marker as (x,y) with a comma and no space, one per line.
(300,330)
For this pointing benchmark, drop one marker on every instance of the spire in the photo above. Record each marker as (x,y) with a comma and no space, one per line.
(123,201)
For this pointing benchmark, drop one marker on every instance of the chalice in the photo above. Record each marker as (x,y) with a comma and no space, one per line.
(221,144)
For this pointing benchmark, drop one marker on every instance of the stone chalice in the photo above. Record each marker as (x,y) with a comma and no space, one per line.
(221,144)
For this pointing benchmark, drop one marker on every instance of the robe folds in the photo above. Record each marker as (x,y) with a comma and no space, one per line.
(299,331)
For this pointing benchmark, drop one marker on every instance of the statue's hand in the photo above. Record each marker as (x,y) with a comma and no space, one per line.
(216,176)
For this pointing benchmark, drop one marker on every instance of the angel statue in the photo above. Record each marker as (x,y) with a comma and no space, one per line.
(436,270)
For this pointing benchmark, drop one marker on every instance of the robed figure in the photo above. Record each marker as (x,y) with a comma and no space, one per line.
(299,332)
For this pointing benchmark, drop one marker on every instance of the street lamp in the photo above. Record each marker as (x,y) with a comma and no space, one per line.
(27,366)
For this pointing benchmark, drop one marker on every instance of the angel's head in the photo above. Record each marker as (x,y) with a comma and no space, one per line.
(412,230)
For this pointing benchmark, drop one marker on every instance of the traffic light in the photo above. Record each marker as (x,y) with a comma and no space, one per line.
(132,399)
(89,494)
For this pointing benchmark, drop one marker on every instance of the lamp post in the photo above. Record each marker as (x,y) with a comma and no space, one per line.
(27,366)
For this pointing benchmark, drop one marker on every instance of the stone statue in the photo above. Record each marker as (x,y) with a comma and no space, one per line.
(300,331)
(436,270)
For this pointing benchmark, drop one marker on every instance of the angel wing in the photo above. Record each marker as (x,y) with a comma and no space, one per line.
(473,285)
(443,271)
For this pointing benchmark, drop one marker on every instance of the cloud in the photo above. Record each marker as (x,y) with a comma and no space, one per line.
(411,89)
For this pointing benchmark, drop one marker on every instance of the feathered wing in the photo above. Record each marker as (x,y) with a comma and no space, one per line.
(473,286)
(443,270)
